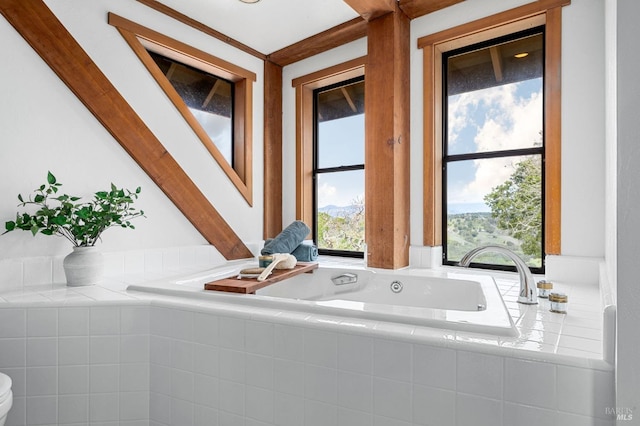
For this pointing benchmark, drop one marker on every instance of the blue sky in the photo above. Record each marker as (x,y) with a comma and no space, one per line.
(341,144)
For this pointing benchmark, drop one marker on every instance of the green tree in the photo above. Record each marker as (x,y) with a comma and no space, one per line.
(517,205)
(344,232)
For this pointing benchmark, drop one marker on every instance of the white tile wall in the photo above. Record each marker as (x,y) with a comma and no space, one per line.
(16,274)
(134,365)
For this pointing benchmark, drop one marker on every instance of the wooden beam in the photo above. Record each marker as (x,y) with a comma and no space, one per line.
(156,5)
(347,97)
(326,40)
(432,155)
(416,8)
(372,9)
(171,70)
(272,150)
(212,92)
(553,131)
(387,142)
(496,61)
(50,39)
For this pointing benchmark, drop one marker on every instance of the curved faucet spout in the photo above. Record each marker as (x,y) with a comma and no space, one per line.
(527,294)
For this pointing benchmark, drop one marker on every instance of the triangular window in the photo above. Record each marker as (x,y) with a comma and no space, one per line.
(214,96)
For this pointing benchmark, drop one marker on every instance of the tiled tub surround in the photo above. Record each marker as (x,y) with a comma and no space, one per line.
(105,356)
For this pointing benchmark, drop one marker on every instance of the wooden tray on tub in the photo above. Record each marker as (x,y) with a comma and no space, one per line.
(251,285)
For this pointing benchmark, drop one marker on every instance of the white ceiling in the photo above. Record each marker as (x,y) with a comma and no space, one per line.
(268,25)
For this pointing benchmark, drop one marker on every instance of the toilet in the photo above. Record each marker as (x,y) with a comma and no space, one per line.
(6,397)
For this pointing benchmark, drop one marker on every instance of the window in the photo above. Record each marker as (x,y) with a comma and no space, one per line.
(542,150)
(493,148)
(215,97)
(306,124)
(338,171)
(209,99)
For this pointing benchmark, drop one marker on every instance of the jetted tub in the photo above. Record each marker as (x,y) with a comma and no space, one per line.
(442,299)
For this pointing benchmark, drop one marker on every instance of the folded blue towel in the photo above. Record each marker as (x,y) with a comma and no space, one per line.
(303,253)
(287,240)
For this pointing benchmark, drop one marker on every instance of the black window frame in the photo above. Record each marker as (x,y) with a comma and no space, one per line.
(446,158)
(316,170)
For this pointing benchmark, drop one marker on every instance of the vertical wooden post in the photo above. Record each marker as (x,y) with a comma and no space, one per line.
(272,149)
(553,132)
(387,142)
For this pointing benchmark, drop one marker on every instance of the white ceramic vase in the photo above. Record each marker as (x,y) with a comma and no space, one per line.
(83,266)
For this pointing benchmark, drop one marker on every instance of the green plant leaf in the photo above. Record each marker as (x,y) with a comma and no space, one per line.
(38,198)
(20,198)
(51,178)
(10,226)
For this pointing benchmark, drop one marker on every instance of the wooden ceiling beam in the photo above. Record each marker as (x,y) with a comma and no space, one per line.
(156,5)
(333,37)
(417,8)
(372,9)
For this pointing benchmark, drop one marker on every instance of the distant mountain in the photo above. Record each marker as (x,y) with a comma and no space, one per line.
(458,208)
(339,211)
(454,208)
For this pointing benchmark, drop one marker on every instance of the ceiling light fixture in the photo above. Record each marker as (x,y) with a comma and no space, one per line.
(521,55)
(249,1)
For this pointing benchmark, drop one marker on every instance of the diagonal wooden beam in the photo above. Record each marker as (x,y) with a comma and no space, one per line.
(347,97)
(50,39)
(212,92)
(372,9)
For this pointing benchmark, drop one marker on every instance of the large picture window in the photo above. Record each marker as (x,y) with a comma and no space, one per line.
(459,158)
(338,171)
(493,148)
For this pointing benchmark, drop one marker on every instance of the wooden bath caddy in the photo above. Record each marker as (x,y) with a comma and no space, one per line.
(250,285)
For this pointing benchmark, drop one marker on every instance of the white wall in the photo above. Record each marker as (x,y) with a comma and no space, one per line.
(44,127)
(627,99)
(583,130)
(611,117)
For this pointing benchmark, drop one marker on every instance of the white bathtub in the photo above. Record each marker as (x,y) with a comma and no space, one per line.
(456,301)
(452,301)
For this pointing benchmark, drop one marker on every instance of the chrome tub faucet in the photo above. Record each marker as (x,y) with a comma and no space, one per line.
(527,295)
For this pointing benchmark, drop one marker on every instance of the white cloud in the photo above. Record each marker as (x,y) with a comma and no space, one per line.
(326,194)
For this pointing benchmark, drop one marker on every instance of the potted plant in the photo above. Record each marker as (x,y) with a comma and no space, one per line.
(82,223)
